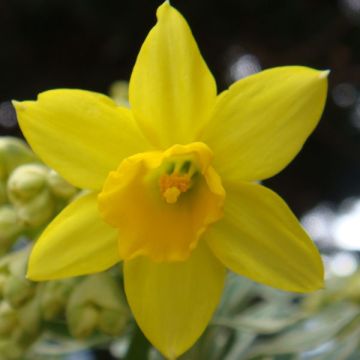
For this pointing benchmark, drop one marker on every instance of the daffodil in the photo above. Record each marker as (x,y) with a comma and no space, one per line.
(174,182)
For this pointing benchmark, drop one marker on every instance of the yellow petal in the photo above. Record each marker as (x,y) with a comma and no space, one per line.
(262,121)
(260,238)
(173,302)
(82,135)
(77,242)
(171,89)
(154,217)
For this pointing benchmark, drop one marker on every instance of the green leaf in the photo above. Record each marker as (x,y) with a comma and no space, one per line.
(236,296)
(264,318)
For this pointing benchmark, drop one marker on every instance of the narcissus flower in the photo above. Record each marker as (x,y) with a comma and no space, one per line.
(174,182)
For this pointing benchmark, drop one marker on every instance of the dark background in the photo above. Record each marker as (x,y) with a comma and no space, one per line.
(91,43)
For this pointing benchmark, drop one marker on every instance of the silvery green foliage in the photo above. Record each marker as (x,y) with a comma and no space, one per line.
(256,322)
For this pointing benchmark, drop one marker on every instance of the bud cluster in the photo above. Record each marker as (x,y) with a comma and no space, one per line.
(30,193)
(30,196)
(20,316)
(84,306)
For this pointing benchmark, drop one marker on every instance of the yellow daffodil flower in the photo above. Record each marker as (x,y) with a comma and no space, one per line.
(173,180)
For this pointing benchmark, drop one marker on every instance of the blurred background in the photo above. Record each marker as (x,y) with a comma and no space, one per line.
(89,44)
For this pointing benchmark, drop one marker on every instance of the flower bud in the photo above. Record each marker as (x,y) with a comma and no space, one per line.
(54,296)
(10,350)
(113,322)
(3,197)
(8,318)
(102,294)
(17,290)
(119,92)
(3,279)
(29,318)
(38,211)
(26,182)
(29,192)
(60,187)
(13,152)
(16,263)
(82,320)
(10,225)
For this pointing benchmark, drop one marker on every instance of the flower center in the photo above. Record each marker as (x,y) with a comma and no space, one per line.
(176,180)
(163,201)
(173,185)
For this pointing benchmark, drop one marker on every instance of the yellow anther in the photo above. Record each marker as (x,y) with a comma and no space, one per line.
(171,186)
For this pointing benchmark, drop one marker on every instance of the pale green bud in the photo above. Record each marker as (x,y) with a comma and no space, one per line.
(119,92)
(38,211)
(10,225)
(101,293)
(10,350)
(28,191)
(54,296)
(13,152)
(8,318)
(60,187)
(26,182)
(113,322)
(18,290)
(16,263)
(3,279)
(3,197)
(29,318)
(100,289)
(82,320)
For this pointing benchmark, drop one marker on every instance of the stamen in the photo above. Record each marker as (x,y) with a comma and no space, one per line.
(176,180)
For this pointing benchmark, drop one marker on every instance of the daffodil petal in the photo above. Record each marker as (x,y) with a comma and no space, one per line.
(81,134)
(77,242)
(172,91)
(260,238)
(173,302)
(262,121)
